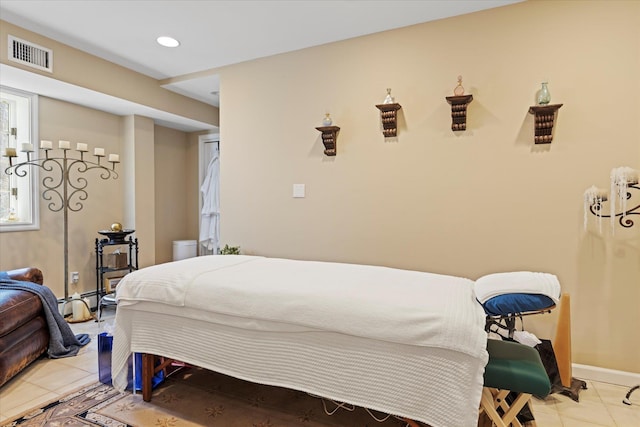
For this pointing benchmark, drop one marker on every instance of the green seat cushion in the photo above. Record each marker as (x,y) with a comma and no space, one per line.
(516,367)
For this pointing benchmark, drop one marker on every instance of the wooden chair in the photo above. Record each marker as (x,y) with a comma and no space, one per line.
(512,367)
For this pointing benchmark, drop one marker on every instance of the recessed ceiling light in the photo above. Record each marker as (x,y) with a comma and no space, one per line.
(168,41)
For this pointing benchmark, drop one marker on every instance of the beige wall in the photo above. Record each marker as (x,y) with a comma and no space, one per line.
(176,190)
(465,203)
(192,178)
(141,206)
(171,198)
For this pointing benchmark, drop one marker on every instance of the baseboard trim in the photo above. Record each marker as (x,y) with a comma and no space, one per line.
(604,375)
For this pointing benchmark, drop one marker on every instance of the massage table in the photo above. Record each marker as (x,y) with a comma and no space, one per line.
(406,343)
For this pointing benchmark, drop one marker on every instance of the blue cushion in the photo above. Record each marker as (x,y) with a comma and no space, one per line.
(516,303)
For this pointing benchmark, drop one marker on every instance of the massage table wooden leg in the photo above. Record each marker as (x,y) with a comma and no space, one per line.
(151,365)
(147,375)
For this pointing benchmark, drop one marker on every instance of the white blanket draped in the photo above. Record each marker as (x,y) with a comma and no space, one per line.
(401,306)
(401,342)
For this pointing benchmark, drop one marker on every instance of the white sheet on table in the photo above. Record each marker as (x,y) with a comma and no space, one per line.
(401,306)
(432,385)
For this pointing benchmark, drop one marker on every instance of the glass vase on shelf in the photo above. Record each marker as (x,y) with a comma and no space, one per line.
(459,89)
(327,120)
(544,97)
(388,99)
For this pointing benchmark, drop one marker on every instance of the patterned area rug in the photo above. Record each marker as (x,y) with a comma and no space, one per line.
(197,397)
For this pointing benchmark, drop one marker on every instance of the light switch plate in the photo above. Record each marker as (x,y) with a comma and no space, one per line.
(298,190)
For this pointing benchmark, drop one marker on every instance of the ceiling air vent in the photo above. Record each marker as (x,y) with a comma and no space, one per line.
(30,54)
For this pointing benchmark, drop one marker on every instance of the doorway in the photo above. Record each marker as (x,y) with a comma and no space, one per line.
(208,194)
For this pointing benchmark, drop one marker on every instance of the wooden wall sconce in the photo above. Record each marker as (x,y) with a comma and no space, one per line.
(459,111)
(389,116)
(544,118)
(329,138)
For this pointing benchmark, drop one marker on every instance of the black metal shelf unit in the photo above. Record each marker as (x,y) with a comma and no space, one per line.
(102,269)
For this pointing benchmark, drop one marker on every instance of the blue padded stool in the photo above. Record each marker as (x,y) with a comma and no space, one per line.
(512,367)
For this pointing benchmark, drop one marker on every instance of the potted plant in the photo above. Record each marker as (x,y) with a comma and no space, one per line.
(230,250)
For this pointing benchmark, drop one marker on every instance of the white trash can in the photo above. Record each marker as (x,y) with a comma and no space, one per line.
(183,249)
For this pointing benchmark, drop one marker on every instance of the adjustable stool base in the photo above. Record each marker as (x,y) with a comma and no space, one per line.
(574,390)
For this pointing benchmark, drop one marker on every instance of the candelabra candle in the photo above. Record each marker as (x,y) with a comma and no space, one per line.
(114,158)
(81,147)
(64,145)
(593,197)
(10,152)
(98,152)
(26,147)
(46,145)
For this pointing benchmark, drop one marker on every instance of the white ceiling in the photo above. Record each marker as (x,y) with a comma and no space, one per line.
(215,33)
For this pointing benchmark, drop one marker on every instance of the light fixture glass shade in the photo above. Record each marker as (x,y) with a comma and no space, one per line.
(168,41)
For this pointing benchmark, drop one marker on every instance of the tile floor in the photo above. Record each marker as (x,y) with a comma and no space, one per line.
(600,405)
(46,379)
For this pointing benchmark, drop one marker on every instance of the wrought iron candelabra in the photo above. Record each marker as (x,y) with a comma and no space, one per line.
(624,181)
(596,207)
(65,188)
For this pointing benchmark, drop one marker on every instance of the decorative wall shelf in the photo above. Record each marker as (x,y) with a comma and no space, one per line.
(459,111)
(389,116)
(329,138)
(544,120)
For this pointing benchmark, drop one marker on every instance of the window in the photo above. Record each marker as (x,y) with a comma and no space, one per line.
(18,194)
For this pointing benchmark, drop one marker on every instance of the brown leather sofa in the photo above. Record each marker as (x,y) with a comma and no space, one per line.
(24,334)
